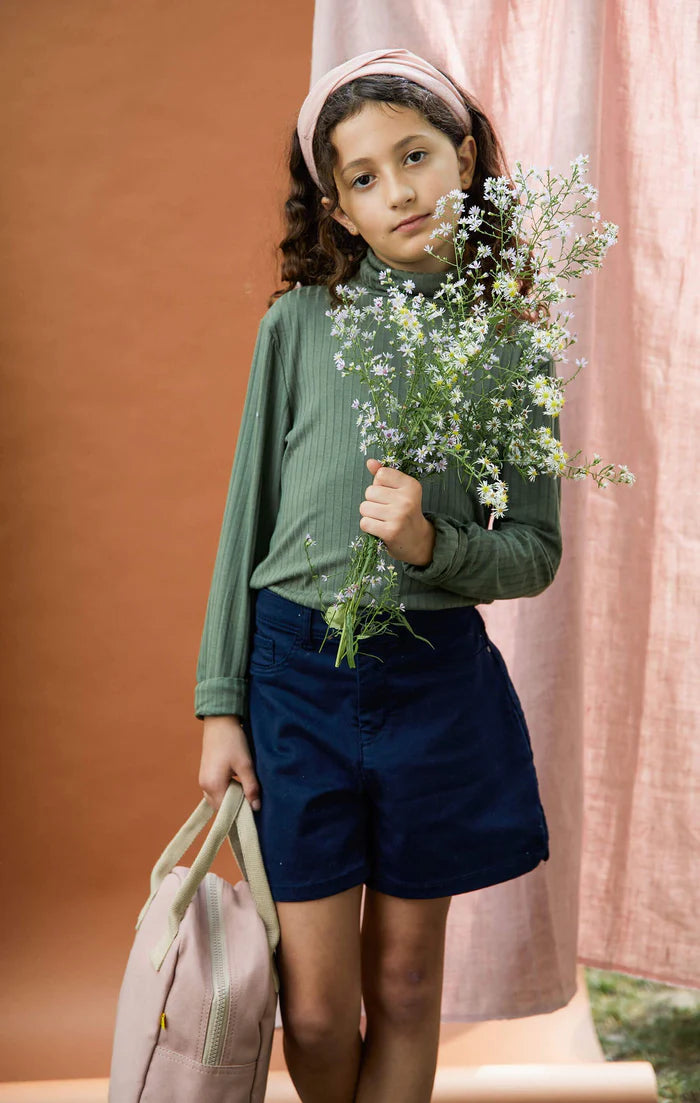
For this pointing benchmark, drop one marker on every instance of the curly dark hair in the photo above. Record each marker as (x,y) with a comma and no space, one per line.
(316,248)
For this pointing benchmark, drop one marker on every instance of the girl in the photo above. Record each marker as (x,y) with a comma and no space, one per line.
(413,772)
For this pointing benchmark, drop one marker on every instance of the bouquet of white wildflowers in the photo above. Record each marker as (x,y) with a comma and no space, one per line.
(461,406)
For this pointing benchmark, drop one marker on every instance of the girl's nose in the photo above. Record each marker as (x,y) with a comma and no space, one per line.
(398,191)
(401,204)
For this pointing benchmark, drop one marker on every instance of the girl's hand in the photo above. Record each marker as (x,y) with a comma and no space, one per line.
(225,753)
(392,511)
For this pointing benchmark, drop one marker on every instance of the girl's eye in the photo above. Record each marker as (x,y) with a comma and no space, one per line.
(420,152)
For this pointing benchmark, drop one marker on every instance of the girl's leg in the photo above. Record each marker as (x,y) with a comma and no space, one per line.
(402,952)
(320,993)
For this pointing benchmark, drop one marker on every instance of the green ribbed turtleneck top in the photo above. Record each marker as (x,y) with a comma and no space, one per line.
(298,469)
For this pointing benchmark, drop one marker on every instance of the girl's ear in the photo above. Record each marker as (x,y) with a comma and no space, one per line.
(340,216)
(466,155)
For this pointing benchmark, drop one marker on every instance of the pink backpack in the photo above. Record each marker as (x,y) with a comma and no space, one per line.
(197,1006)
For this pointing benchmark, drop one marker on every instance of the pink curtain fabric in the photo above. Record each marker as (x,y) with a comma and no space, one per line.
(604,659)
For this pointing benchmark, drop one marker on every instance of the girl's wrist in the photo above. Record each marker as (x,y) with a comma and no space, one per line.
(428,545)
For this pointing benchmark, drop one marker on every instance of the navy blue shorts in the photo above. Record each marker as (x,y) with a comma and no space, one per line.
(412,773)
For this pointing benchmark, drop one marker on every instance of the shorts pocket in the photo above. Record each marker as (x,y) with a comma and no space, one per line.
(452,645)
(272,647)
(461,649)
(509,689)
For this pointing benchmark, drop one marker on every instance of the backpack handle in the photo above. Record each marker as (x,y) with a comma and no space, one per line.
(234,821)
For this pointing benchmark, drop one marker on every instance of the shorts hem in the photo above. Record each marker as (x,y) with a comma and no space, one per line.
(454,886)
(329,887)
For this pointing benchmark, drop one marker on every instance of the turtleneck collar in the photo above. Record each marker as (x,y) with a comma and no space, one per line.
(370,266)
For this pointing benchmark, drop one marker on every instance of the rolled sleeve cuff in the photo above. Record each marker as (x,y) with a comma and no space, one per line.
(448,552)
(221,697)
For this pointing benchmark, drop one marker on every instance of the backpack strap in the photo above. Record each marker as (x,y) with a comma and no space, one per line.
(234,820)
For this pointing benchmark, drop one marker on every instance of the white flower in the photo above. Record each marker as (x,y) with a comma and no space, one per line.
(441,393)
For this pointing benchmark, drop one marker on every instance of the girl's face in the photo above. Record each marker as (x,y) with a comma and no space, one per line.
(405,165)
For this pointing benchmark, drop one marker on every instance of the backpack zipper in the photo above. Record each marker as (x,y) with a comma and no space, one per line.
(221,989)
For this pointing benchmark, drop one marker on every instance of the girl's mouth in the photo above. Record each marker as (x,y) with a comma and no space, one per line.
(404,227)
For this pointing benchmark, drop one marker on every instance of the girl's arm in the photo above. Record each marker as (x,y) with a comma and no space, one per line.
(519,556)
(249,518)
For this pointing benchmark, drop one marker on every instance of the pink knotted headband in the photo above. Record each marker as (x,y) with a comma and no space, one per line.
(401,63)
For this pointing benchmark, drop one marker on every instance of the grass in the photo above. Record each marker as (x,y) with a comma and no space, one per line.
(642,1020)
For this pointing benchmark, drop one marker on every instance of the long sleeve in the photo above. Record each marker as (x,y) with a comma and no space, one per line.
(519,556)
(250,512)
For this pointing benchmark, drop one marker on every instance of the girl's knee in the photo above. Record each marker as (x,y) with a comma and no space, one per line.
(403,995)
(318,1026)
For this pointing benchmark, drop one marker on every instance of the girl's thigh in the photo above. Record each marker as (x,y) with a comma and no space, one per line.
(319,963)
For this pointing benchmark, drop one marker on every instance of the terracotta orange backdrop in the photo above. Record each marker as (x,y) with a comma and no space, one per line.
(143,157)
